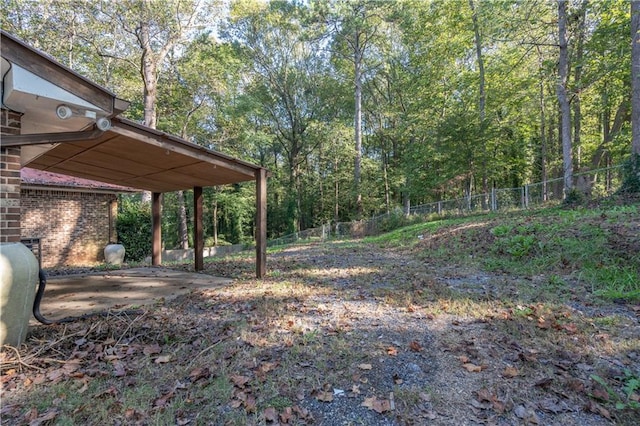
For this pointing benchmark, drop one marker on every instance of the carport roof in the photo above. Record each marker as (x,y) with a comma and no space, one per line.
(136,156)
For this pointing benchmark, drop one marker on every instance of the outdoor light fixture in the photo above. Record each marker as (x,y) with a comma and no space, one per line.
(65,111)
(103,124)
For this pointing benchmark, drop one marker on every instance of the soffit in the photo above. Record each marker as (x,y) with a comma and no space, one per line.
(136,156)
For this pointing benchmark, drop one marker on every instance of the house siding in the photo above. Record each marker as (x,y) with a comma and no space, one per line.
(73,227)
(9,180)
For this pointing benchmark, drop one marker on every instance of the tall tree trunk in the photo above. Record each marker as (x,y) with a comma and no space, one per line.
(387,195)
(357,60)
(481,101)
(577,77)
(149,78)
(563,100)
(543,126)
(215,220)
(182,219)
(336,211)
(635,77)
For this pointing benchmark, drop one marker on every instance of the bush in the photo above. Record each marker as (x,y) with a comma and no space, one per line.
(631,175)
(133,226)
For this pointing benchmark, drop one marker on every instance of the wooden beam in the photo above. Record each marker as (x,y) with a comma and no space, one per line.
(198,229)
(25,56)
(261,223)
(173,145)
(156,228)
(49,138)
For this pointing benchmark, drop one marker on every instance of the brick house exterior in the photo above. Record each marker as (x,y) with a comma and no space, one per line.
(9,179)
(73,218)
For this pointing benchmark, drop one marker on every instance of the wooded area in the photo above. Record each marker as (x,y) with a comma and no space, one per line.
(358,107)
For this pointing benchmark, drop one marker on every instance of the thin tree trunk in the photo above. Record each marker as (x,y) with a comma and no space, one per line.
(182,219)
(358,122)
(563,100)
(215,220)
(336,212)
(543,135)
(481,101)
(577,76)
(635,77)
(387,195)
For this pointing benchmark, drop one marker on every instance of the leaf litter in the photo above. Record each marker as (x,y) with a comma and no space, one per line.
(377,340)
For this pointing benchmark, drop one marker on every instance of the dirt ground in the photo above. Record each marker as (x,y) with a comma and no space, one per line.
(340,334)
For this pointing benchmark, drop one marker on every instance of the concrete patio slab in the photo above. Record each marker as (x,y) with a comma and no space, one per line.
(76,295)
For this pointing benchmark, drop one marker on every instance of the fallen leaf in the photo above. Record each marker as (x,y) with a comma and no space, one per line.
(163,400)
(163,359)
(239,381)
(270,414)
(286,416)
(510,372)
(599,392)
(485,395)
(199,373)
(250,404)
(596,408)
(378,405)
(415,346)
(570,328)
(464,359)
(392,351)
(324,396)
(472,367)
(364,366)
(152,349)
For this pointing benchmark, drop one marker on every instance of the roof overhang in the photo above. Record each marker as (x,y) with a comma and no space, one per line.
(34,84)
(135,156)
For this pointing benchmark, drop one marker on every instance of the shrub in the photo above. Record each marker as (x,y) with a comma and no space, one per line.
(134,229)
(631,175)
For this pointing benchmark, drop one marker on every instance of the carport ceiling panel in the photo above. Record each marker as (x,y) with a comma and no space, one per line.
(140,152)
(212,173)
(110,162)
(175,178)
(83,170)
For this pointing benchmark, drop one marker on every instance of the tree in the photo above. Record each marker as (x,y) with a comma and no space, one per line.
(353,27)
(635,77)
(563,98)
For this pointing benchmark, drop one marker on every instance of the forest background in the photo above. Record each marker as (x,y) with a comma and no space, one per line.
(356,107)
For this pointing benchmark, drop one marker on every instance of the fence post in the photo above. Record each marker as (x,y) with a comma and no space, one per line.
(494,203)
(439,208)
(526,196)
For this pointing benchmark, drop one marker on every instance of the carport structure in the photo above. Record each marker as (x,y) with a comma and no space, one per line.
(123,153)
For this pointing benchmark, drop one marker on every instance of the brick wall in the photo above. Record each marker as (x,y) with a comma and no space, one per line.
(9,180)
(74,227)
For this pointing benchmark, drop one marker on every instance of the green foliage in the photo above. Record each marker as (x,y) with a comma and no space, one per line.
(574,198)
(517,242)
(630,387)
(133,226)
(631,172)
(276,88)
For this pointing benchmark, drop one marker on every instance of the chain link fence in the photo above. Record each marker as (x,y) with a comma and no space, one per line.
(592,184)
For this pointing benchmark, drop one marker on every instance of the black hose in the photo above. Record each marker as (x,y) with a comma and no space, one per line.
(42,276)
(36,303)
